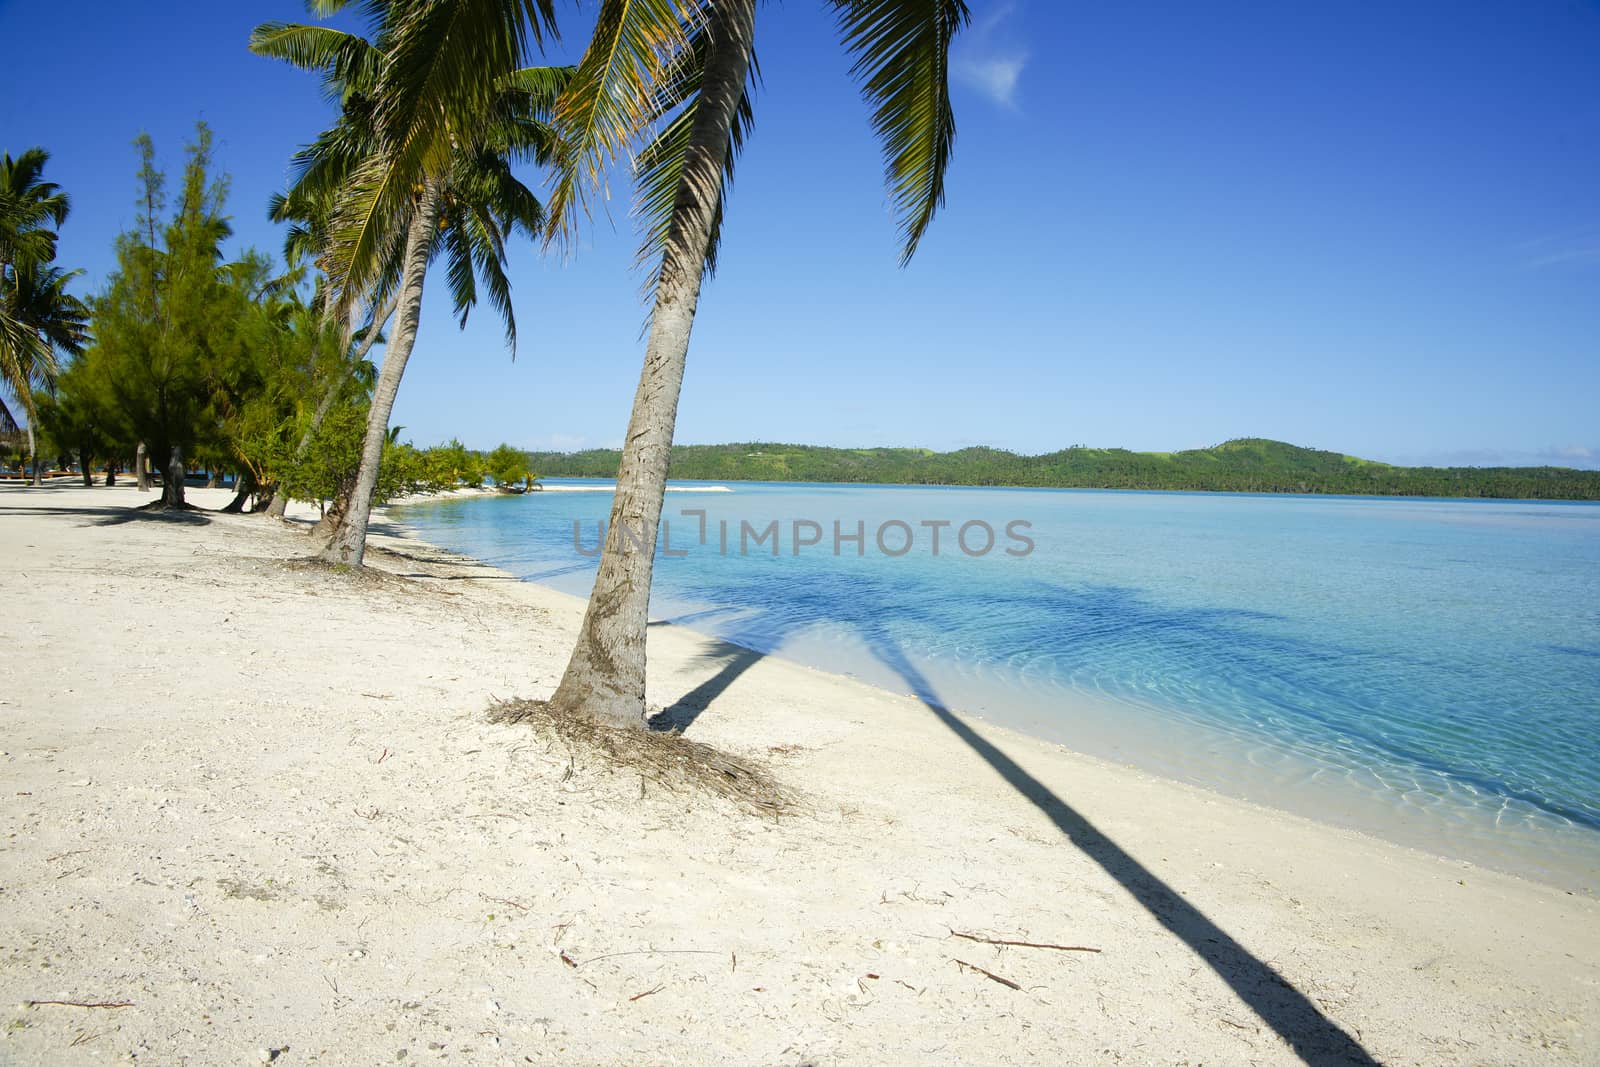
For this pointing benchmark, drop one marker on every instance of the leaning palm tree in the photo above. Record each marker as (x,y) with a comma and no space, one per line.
(436,110)
(697,96)
(306,243)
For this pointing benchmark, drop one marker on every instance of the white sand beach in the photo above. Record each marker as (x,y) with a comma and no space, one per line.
(254,811)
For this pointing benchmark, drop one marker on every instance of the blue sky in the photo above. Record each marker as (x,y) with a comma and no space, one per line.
(1365,227)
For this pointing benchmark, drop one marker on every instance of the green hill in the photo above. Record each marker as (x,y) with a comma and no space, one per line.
(1249,464)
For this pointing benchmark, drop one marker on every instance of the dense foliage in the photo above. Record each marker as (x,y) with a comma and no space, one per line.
(222,365)
(509,468)
(1250,465)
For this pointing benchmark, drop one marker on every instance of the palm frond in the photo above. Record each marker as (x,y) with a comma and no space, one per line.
(370,220)
(541,86)
(519,124)
(459,275)
(611,101)
(346,60)
(437,54)
(658,170)
(431,95)
(29,207)
(902,60)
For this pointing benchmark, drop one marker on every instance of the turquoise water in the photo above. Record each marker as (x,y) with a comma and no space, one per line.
(1428,670)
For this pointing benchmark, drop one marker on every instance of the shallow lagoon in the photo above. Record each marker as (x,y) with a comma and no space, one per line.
(1428,670)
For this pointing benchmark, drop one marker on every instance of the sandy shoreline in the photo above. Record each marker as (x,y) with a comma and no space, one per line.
(261,803)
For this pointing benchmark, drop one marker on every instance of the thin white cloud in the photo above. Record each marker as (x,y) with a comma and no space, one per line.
(1584,254)
(1577,246)
(988,59)
(995,77)
(990,20)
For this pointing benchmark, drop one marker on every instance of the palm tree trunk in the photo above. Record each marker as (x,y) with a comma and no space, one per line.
(33,451)
(605,677)
(348,545)
(280,502)
(139,468)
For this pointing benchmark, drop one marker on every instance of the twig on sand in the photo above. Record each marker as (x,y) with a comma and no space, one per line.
(1008,983)
(503,900)
(655,952)
(646,993)
(82,1003)
(1021,944)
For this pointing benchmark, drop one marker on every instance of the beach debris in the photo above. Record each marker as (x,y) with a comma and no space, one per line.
(646,993)
(650,952)
(80,1003)
(503,900)
(1020,944)
(1008,983)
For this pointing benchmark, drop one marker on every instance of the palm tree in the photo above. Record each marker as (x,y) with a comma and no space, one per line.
(37,315)
(436,110)
(306,243)
(29,209)
(901,51)
(48,319)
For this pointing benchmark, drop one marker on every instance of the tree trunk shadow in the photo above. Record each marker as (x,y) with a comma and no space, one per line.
(1315,1038)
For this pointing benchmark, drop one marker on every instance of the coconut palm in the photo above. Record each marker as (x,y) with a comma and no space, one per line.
(44,319)
(36,312)
(306,243)
(436,110)
(30,209)
(698,97)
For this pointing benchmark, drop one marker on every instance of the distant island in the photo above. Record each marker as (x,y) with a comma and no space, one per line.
(1246,465)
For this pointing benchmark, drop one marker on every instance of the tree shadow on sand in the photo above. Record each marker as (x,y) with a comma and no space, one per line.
(1315,1038)
(189,515)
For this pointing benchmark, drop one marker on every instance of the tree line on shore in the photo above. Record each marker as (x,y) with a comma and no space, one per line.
(198,362)
(1246,465)
(196,358)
